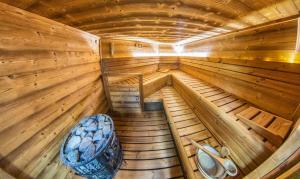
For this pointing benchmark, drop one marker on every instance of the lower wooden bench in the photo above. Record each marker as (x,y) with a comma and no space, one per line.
(127,93)
(184,123)
(220,112)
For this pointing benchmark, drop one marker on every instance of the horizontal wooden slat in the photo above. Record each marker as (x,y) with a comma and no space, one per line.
(149,150)
(150,174)
(184,123)
(50,78)
(214,117)
(271,127)
(141,140)
(150,154)
(150,164)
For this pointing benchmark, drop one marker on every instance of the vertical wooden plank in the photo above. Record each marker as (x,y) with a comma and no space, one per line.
(106,90)
(298,36)
(141,90)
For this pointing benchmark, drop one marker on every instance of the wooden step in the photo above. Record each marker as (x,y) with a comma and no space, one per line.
(125,99)
(270,126)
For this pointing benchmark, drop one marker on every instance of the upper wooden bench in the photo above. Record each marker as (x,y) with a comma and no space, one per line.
(126,91)
(252,141)
(151,82)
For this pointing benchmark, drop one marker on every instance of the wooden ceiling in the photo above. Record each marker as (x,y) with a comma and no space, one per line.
(161,20)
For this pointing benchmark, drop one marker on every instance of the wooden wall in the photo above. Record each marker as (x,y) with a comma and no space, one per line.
(131,65)
(133,56)
(274,41)
(125,48)
(259,64)
(168,63)
(49,78)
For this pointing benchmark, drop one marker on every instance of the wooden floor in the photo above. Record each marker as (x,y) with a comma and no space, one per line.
(149,149)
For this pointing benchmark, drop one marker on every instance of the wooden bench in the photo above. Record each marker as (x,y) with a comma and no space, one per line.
(151,82)
(272,127)
(126,91)
(184,123)
(220,112)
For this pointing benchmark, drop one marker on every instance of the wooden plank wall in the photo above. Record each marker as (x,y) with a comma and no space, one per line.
(259,65)
(119,57)
(49,78)
(274,41)
(131,65)
(168,63)
(125,48)
(127,56)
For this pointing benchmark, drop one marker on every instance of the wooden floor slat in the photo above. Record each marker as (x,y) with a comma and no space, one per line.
(158,154)
(137,119)
(148,123)
(143,133)
(139,139)
(148,147)
(143,128)
(150,164)
(150,174)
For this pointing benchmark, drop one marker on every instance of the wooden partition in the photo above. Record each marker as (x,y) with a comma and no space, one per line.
(49,78)
(117,48)
(131,65)
(259,64)
(135,56)
(168,63)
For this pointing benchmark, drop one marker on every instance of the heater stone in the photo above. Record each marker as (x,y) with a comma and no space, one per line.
(85,143)
(98,136)
(92,126)
(93,145)
(89,152)
(73,143)
(73,156)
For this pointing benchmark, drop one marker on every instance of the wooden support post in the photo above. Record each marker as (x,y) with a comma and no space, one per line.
(141,90)
(106,90)
(298,37)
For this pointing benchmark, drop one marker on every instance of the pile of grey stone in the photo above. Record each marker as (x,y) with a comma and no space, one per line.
(87,138)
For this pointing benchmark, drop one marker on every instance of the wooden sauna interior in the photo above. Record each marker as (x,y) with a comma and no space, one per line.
(222,72)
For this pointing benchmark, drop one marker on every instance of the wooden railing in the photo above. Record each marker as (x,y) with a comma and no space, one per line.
(106,85)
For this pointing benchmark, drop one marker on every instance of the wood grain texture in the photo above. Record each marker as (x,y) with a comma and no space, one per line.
(157,19)
(50,78)
(273,90)
(281,160)
(258,64)
(274,41)
(248,149)
(149,150)
(182,126)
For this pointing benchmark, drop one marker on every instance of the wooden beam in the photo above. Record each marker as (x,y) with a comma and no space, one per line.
(141,90)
